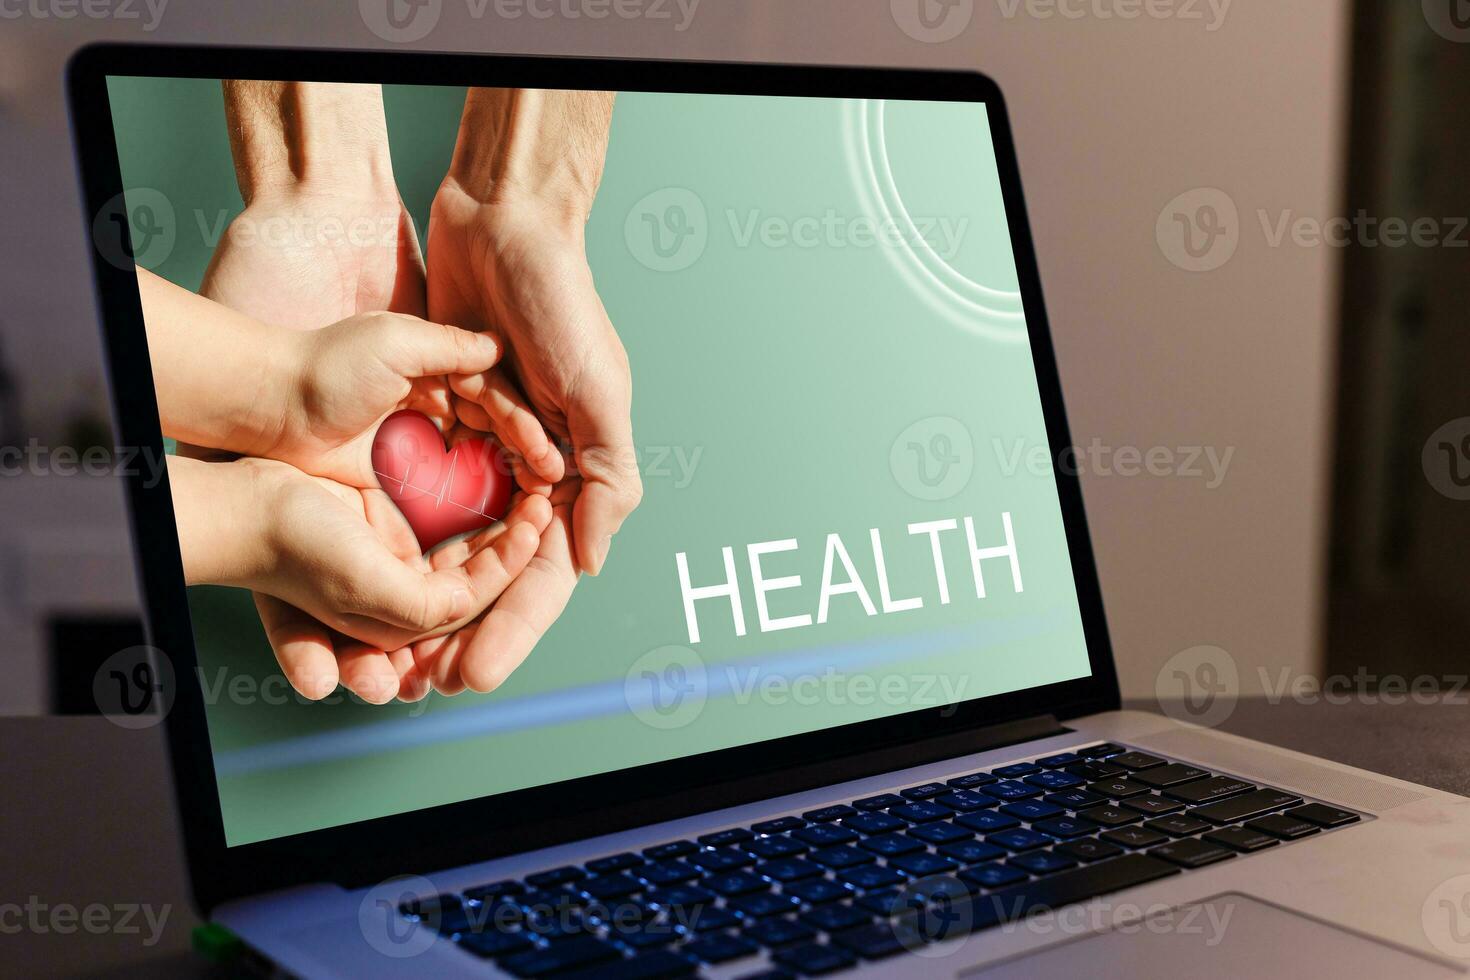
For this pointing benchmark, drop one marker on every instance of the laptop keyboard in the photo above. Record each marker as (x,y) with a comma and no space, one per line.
(823,891)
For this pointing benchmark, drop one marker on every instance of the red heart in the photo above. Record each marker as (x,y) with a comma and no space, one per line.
(440,493)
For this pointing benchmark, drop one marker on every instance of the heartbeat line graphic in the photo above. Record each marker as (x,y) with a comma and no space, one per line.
(441,493)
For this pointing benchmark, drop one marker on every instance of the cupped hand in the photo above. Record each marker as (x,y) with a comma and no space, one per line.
(339,579)
(519,269)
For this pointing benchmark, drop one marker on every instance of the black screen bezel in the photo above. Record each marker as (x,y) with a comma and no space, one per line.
(525,819)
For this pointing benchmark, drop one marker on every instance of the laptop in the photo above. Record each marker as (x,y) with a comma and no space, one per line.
(842,699)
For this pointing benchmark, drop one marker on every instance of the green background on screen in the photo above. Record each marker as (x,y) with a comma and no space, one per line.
(790,369)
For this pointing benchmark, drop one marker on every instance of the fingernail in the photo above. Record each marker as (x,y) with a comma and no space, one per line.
(602,549)
(459,604)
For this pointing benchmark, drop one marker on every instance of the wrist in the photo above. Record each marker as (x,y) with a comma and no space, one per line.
(303,137)
(223,515)
(532,148)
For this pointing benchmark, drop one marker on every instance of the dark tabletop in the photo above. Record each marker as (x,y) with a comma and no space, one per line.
(88,817)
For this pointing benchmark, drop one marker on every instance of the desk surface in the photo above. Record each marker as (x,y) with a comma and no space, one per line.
(89,817)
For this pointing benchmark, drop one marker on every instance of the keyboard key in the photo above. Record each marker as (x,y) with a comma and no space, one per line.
(1053,780)
(668,873)
(674,848)
(880,802)
(840,856)
(965,800)
(1065,828)
(814,959)
(1058,760)
(615,862)
(1189,852)
(825,835)
(1094,770)
(559,957)
(720,838)
(774,847)
(942,832)
(778,826)
(939,888)
(892,845)
(884,903)
(1010,791)
(1016,771)
(874,823)
(680,897)
(834,918)
(1032,810)
(1109,816)
(1256,803)
(1153,805)
(710,919)
(1020,839)
(1101,750)
(867,876)
(1323,815)
(556,876)
(780,932)
(758,905)
(829,813)
(494,890)
(921,812)
(923,863)
(992,875)
(923,791)
(661,965)
(1043,862)
(973,780)
(1179,825)
(1117,789)
(639,936)
(1287,828)
(735,883)
(1136,760)
(871,942)
(789,869)
(1209,790)
(606,887)
(1077,799)
(1134,837)
(494,943)
(820,891)
(720,948)
(971,851)
(1089,850)
(1170,775)
(724,859)
(986,821)
(1241,839)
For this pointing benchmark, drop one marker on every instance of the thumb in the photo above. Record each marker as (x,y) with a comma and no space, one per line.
(416,348)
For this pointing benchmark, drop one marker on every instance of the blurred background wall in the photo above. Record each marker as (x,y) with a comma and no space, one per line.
(1180,321)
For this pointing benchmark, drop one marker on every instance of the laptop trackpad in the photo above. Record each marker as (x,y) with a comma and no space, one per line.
(1227,937)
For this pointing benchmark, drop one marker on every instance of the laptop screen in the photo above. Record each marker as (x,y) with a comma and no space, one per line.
(848,504)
